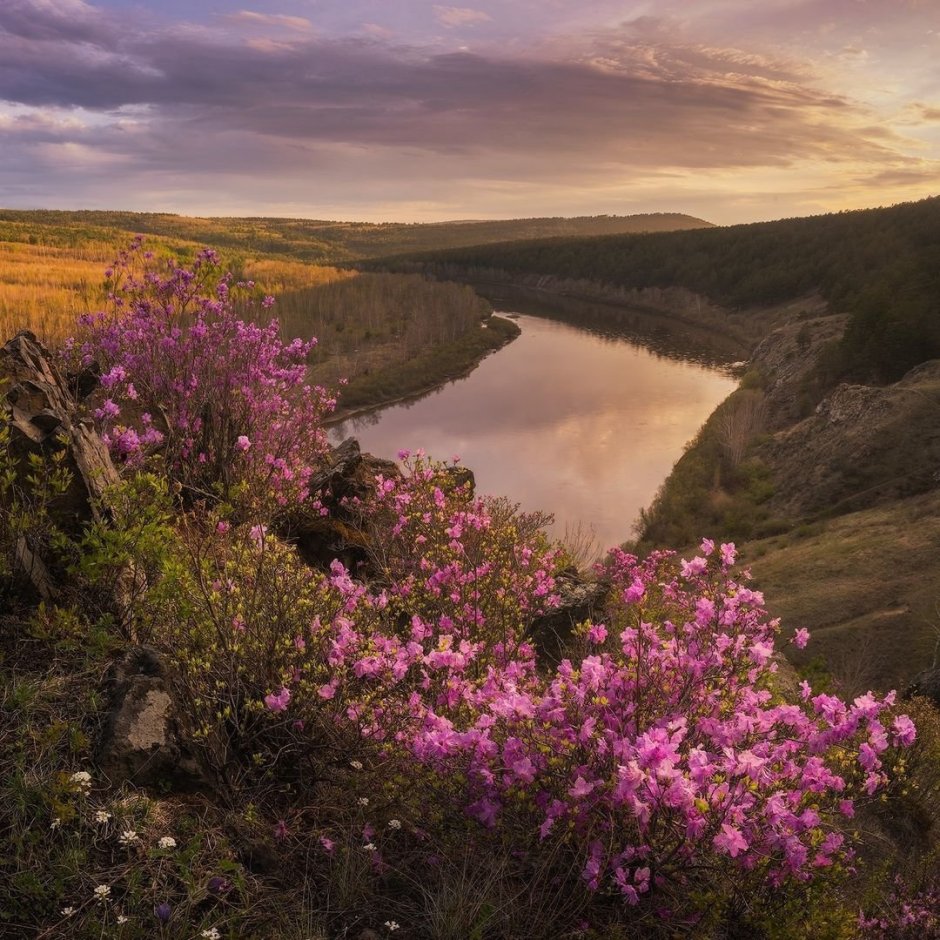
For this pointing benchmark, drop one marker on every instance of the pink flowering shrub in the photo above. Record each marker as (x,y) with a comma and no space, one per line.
(474,568)
(660,752)
(257,634)
(221,400)
(907,913)
(659,755)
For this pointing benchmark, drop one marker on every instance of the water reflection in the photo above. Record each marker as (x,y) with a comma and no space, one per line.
(582,423)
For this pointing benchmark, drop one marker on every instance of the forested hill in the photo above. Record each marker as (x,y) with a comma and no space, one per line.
(332,242)
(880,265)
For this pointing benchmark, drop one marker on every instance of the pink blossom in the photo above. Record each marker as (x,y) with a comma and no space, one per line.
(800,638)
(278,702)
(730,841)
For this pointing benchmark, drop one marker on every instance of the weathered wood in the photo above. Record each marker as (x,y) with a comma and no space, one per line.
(44,418)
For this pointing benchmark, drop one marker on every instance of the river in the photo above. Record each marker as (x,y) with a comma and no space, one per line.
(575,417)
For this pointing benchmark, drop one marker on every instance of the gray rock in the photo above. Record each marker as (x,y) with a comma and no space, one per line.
(580,600)
(347,474)
(141,742)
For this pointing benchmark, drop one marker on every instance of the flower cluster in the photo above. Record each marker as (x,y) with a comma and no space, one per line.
(658,750)
(221,399)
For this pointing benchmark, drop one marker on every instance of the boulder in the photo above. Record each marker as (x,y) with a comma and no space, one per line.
(580,600)
(347,474)
(141,742)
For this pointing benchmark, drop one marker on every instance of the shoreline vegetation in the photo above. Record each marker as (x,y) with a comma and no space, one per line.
(423,374)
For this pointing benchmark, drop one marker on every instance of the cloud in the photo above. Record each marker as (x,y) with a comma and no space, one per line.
(53,21)
(454,17)
(929,113)
(253,19)
(649,104)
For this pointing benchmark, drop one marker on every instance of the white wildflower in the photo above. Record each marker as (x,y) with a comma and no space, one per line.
(370,847)
(167,842)
(121,919)
(363,801)
(81,779)
(392,925)
(102,816)
(211,933)
(68,911)
(356,764)
(102,893)
(394,824)
(129,837)
(55,823)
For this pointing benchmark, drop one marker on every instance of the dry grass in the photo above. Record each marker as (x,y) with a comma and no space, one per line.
(44,287)
(866,585)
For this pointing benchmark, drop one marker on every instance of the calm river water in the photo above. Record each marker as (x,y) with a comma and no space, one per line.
(582,421)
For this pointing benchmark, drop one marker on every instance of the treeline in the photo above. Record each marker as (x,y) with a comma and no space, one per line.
(315,240)
(388,334)
(880,265)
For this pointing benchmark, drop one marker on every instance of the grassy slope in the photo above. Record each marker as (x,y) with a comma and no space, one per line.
(866,585)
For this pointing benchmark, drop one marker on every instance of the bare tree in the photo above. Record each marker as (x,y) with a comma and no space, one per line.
(741,423)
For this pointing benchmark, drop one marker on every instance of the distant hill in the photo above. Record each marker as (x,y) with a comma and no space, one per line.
(882,266)
(331,242)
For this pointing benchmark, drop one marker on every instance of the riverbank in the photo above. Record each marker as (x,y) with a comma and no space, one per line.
(831,495)
(424,373)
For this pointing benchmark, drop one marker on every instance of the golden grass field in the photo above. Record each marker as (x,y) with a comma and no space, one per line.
(44,287)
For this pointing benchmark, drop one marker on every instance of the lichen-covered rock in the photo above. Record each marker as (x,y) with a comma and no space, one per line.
(141,742)
(580,601)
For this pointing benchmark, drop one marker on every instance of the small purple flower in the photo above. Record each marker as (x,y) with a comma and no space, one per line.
(163,912)
(218,885)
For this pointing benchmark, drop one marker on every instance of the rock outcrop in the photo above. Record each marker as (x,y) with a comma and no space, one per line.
(863,445)
(347,474)
(141,742)
(42,411)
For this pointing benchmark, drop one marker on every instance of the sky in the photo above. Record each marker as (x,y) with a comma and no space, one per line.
(408,110)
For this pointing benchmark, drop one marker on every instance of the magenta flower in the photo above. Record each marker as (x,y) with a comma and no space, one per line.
(278,702)
(730,841)
(800,638)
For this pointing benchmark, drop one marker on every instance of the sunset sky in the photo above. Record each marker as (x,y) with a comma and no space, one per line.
(732,110)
